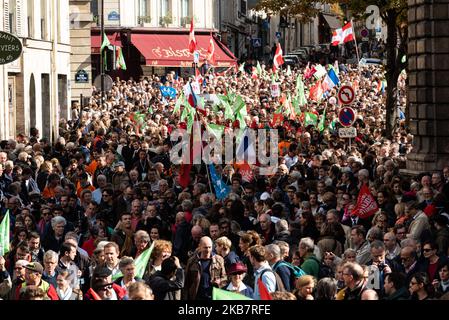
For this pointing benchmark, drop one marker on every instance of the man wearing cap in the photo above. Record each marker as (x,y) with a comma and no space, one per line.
(102,287)
(120,175)
(440,223)
(419,221)
(33,277)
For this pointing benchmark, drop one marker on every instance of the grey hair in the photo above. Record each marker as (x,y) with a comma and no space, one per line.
(274,250)
(125,261)
(57,220)
(50,254)
(187,205)
(363,172)
(142,234)
(281,225)
(307,243)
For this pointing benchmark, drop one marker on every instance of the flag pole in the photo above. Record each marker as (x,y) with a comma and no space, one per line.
(202,150)
(356,46)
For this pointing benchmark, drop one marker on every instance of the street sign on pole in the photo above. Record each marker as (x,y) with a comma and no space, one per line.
(349,132)
(346,117)
(278,35)
(196,56)
(346,95)
(256,42)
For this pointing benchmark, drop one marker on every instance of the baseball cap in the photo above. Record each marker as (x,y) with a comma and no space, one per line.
(35,267)
(119,164)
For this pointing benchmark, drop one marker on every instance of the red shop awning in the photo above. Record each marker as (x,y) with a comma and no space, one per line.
(171,50)
(95,41)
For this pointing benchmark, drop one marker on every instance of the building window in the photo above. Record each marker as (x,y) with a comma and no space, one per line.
(165,7)
(186,12)
(243,7)
(30,18)
(165,15)
(144,12)
(44,34)
(12,16)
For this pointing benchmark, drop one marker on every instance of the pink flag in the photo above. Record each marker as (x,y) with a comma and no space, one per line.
(278,60)
(192,41)
(211,51)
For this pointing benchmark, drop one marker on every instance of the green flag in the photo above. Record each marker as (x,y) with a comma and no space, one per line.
(139,117)
(178,103)
(240,111)
(150,109)
(310,119)
(300,95)
(322,120)
(4,234)
(295,104)
(120,64)
(228,114)
(332,125)
(105,43)
(140,263)
(190,118)
(242,68)
(215,130)
(259,69)
(289,71)
(220,294)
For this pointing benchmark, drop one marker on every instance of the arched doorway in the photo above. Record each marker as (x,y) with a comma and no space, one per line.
(32,102)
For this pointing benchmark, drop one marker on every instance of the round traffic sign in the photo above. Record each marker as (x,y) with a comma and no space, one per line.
(364,33)
(346,116)
(346,95)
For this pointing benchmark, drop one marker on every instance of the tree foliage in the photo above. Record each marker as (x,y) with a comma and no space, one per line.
(393,14)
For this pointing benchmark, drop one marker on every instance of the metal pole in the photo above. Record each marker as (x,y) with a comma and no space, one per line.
(356,46)
(101,52)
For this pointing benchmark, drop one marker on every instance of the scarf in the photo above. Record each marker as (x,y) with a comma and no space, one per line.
(64,295)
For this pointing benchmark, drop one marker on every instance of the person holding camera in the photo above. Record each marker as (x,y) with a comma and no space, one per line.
(379,267)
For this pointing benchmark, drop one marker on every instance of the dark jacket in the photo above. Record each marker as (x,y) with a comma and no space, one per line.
(231,258)
(181,241)
(284,272)
(193,275)
(400,294)
(356,293)
(165,289)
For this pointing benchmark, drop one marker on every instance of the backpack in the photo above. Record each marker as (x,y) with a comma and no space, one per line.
(295,270)
(323,271)
(279,284)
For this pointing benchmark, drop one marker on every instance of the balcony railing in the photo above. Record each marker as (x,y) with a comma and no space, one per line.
(144,19)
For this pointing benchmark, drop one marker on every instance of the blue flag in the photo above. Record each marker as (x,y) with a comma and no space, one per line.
(221,189)
(168,92)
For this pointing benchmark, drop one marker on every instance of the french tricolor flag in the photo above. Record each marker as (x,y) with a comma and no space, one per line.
(343,35)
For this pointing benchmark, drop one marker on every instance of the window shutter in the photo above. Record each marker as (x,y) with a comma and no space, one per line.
(6,15)
(19,24)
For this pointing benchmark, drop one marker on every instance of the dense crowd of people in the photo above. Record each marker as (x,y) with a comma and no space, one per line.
(84,209)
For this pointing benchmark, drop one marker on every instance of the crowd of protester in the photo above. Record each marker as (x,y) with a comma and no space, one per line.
(86,207)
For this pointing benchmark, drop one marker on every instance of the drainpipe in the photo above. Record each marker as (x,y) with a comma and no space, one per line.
(54,112)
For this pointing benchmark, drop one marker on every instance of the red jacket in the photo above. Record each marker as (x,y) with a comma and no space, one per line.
(119,291)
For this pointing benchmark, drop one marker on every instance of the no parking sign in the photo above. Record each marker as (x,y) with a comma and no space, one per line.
(346,117)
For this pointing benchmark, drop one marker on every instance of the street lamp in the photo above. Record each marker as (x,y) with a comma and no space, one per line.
(102,51)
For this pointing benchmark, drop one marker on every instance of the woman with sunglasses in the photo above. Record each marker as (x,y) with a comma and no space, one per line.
(432,261)
(419,287)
